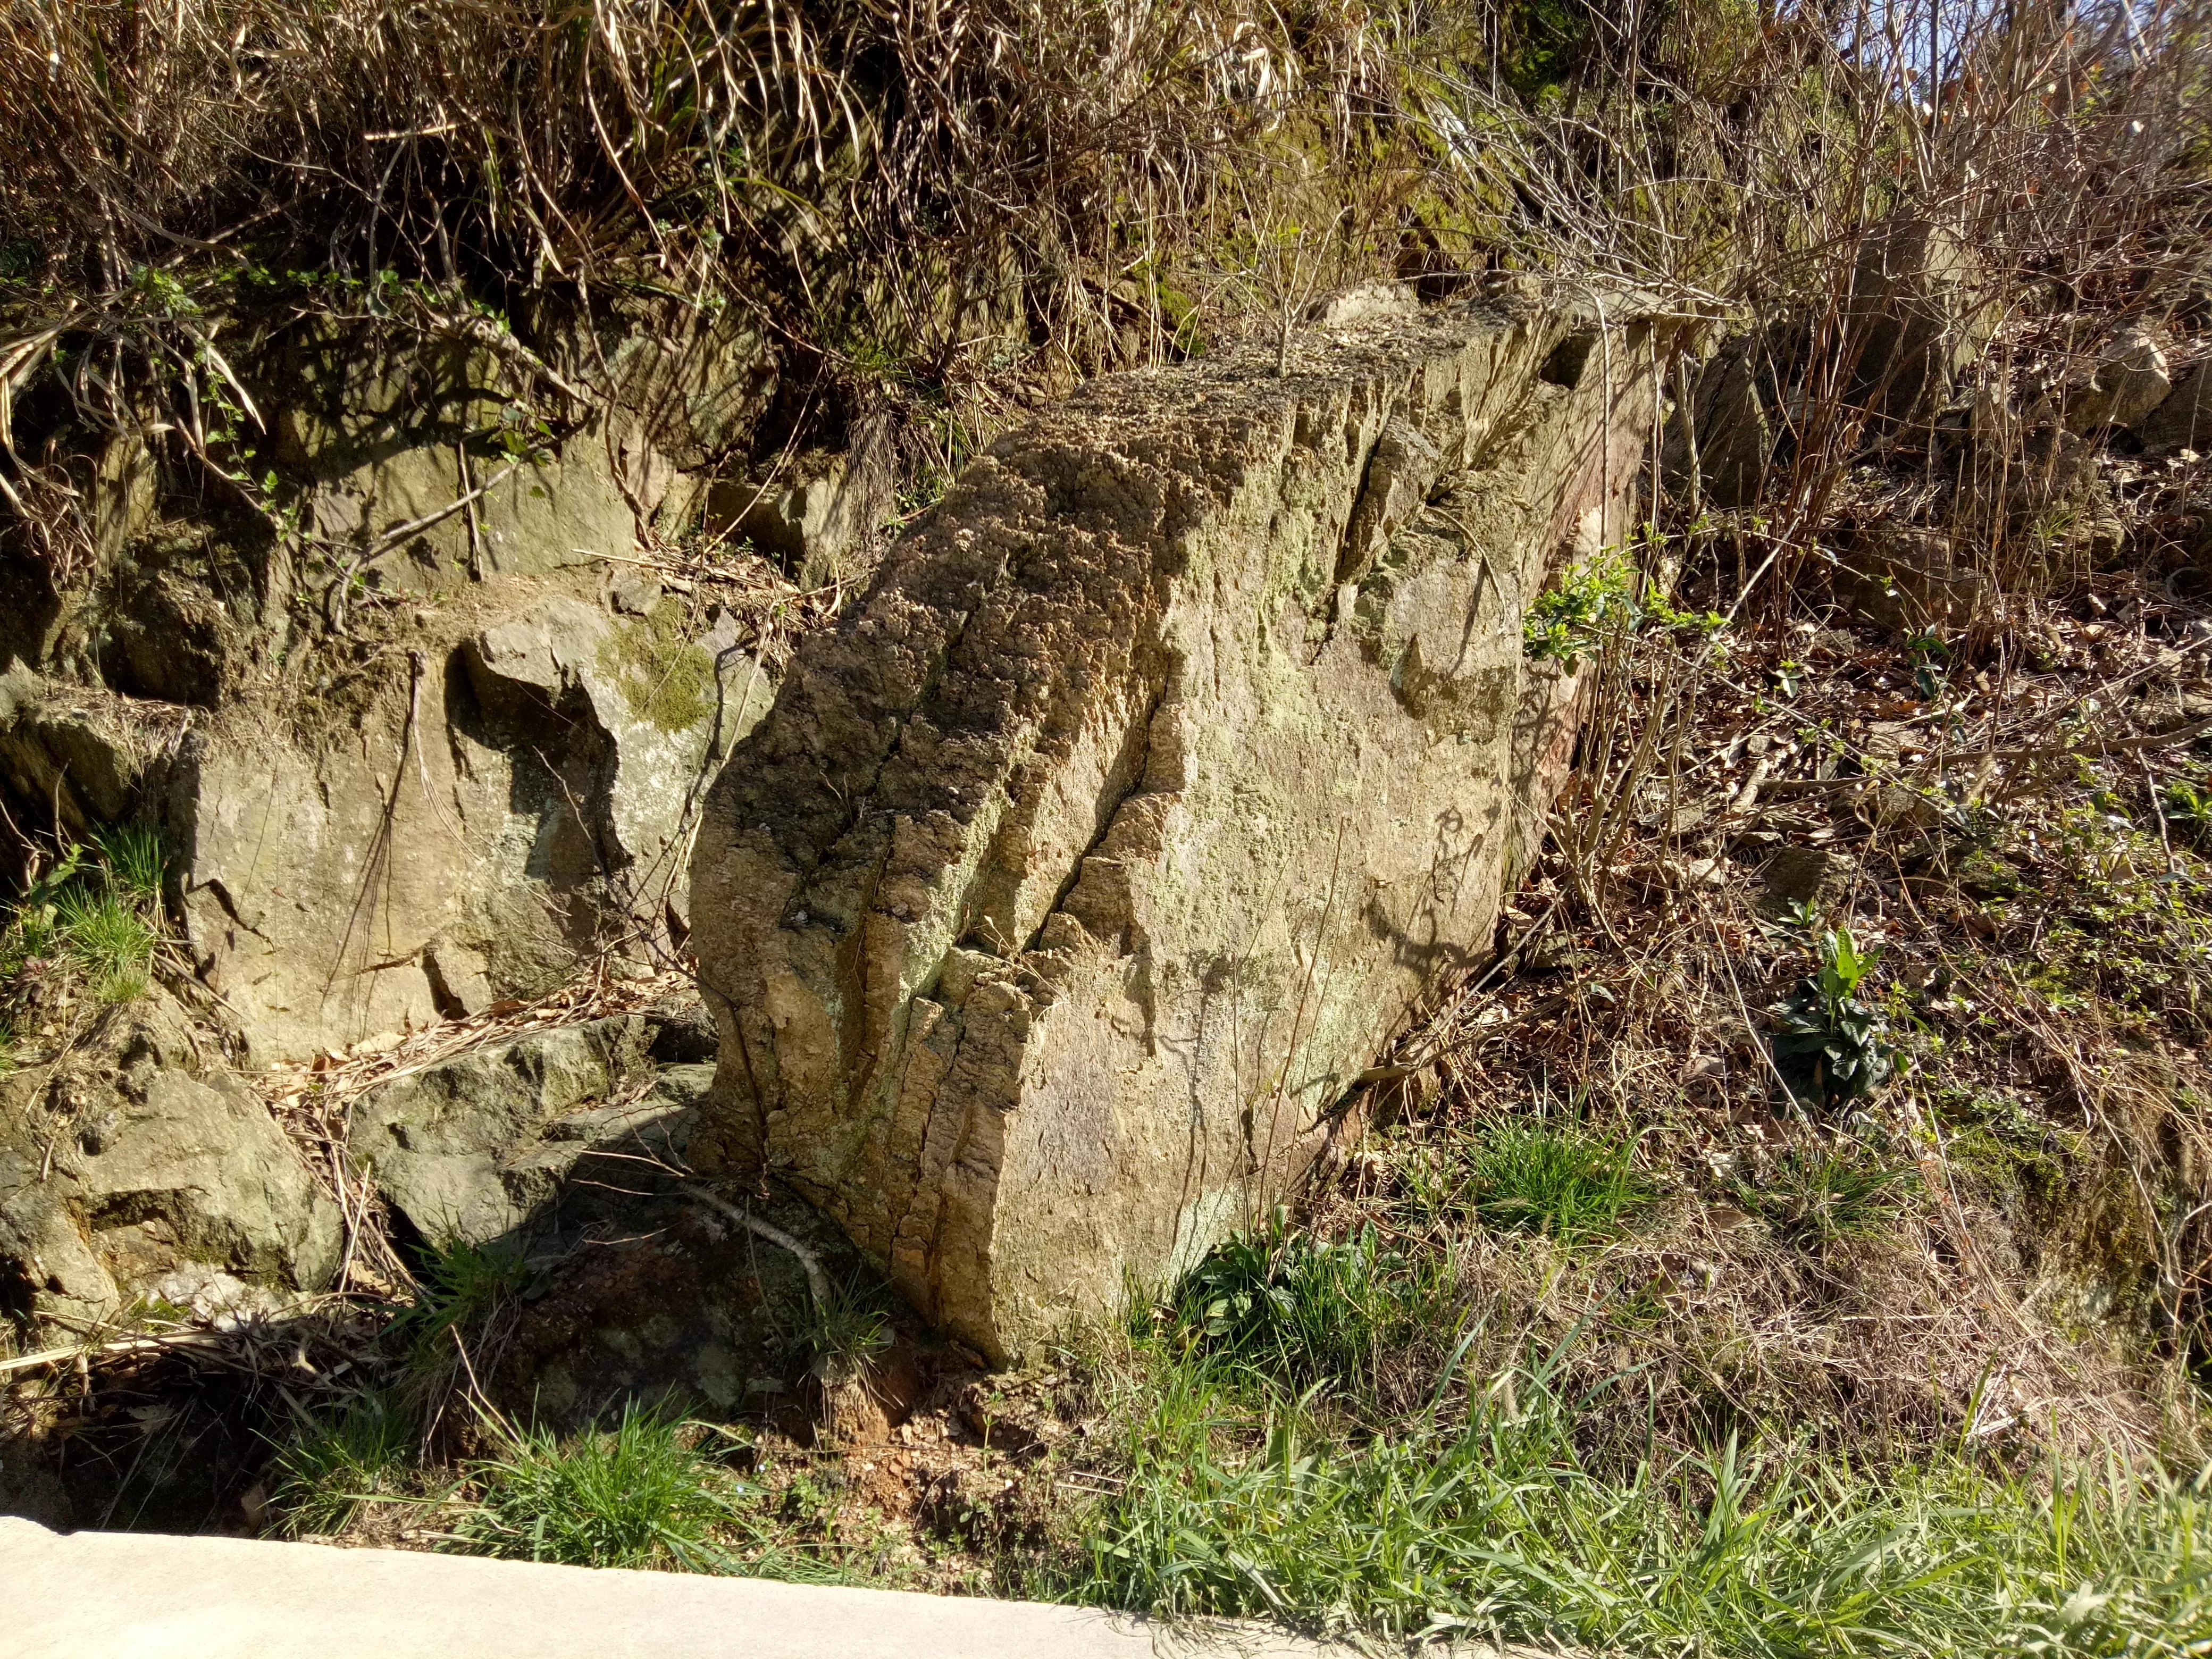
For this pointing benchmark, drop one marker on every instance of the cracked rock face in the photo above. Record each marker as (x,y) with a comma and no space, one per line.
(1067,886)
(513,802)
(478,1147)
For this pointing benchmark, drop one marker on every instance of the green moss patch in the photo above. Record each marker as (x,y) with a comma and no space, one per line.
(666,679)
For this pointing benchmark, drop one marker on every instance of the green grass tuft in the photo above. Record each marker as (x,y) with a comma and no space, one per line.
(1826,1196)
(1561,1182)
(131,855)
(636,1495)
(96,914)
(325,1478)
(459,1286)
(108,937)
(847,1331)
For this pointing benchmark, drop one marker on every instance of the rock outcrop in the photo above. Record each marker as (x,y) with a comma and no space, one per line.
(416,728)
(501,798)
(1071,881)
(146,1172)
(1913,317)
(476,1148)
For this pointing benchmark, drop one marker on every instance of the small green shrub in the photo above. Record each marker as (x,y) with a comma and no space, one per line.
(1568,619)
(2188,808)
(1573,1187)
(325,1477)
(636,1495)
(1602,595)
(1831,1047)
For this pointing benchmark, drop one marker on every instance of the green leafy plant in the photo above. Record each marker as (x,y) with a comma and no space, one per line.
(1830,1046)
(639,1494)
(1568,620)
(2187,807)
(1930,660)
(1557,1180)
(1290,1303)
(1600,597)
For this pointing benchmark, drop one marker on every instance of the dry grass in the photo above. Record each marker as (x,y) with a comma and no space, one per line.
(940,215)
(2034,1268)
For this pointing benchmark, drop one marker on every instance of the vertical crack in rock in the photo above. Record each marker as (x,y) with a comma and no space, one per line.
(1070,882)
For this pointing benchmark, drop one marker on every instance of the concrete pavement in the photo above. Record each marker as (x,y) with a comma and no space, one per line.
(145,1595)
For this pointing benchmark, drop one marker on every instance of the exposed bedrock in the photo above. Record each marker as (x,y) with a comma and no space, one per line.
(1053,907)
(514,793)
(426,734)
(142,1171)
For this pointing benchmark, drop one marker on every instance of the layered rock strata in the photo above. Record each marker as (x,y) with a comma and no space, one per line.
(1073,880)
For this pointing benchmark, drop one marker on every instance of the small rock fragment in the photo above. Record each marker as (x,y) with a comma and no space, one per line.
(634,593)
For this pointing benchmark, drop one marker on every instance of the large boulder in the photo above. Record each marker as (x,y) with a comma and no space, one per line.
(1072,880)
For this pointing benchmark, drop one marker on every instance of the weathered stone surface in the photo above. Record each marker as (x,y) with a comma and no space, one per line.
(405,775)
(1912,317)
(474,1148)
(2129,383)
(1723,433)
(509,802)
(541,515)
(1072,878)
(509,805)
(815,511)
(134,1171)
(2183,419)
